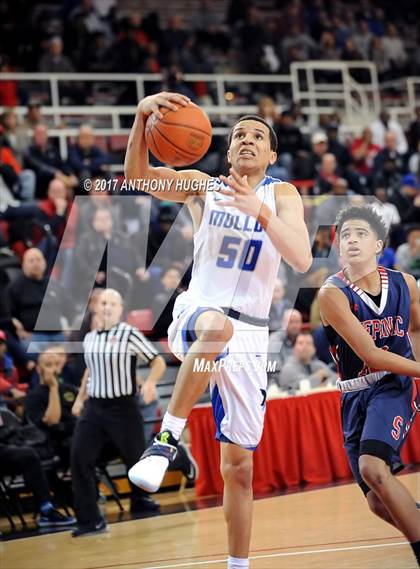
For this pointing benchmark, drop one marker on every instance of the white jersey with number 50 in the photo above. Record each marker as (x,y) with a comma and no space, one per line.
(235,262)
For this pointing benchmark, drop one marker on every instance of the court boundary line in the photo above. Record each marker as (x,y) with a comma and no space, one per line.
(284,554)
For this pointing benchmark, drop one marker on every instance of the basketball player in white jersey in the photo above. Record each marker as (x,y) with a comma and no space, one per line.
(241,232)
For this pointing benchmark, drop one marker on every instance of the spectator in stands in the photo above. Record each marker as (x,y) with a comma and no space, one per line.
(335,200)
(328,49)
(308,167)
(387,210)
(290,142)
(364,152)
(48,405)
(297,45)
(327,175)
(325,257)
(414,162)
(107,246)
(21,183)
(54,61)
(164,301)
(408,254)
(24,460)
(389,164)
(46,222)
(44,159)
(362,38)
(9,377)
(281,341)
(279,305)
(414,135)
(394,50)
(33,116)
(177,252)
(16,135)
(412,214)
(304,365)
(95,200)
(85,158)
(127,55)
(382,125)
(407,193)
(335,147)
(29,292)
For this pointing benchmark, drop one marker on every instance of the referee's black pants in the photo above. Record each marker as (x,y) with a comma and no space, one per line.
(118,420)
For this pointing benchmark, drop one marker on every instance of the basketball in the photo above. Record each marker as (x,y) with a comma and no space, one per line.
(180,137)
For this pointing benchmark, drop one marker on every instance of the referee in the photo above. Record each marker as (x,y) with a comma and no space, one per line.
(109,409)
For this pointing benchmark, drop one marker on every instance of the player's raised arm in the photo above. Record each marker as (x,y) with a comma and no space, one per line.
(335,310)
(414,314)
(136,164)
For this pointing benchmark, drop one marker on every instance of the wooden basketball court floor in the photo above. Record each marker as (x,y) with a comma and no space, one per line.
(329,528)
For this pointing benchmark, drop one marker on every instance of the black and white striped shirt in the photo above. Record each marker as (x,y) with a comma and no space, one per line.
(111,358)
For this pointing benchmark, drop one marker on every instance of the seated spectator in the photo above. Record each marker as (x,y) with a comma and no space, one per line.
(86,159)
(387,258)
(28,293)
(33,116)
(163,302)
(176,252)
(64,371)
(414,162)
(327,175)
(97,199)
(48,406)
(54,61)
(21,183)
(382,125)
(362,37)
(405,196)
(335,147)
(310,166)
(280,345)
(394,50)
(16,135)
(9,377)
(364,152)
(389,163)
(408,254)
(290,142)
(108,247)
(412,214)
(44,222)
(24,460)
(44,159)
(325,261)
(388,211)
(414,133)
(304,365)
(278,306)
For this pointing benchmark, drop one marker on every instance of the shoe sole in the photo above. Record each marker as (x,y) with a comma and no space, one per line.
(93,532)
(139,479)
(55,524)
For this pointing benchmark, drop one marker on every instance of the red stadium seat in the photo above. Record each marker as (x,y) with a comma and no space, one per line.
(141,319)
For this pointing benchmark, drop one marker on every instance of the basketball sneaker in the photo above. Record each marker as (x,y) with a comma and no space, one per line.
(149,471)
(52,518)
(185,462)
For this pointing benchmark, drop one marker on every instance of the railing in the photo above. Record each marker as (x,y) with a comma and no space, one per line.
(319,86)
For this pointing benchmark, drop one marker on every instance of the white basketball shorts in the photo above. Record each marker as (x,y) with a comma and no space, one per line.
(238,382)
